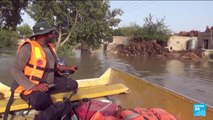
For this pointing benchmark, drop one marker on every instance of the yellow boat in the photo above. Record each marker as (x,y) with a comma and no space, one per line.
(140,93)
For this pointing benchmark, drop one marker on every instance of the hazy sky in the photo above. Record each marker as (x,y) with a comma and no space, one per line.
(179,15)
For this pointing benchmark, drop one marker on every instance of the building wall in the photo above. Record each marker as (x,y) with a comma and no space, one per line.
(116,40)
(120,39)
(178,43)
(205,40)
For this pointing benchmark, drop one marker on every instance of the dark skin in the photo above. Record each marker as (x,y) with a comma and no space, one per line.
(44,40)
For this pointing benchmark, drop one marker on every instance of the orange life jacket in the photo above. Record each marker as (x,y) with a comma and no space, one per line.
(147,115)
(99,116)
(36,66)
(162,114)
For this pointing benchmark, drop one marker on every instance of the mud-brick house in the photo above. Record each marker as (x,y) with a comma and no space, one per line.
(205,39)
(117,40)
(178,43)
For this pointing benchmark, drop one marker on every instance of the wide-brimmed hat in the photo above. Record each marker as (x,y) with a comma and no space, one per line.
(41,28)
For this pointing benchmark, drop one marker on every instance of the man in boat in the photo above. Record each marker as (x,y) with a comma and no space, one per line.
(35,68)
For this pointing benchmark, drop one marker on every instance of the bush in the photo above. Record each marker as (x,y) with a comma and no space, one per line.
(65,50)
(151,30)
(8,38)
(25,31)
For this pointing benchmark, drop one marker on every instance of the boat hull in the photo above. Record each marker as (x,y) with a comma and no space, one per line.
(148,95)
(141,93)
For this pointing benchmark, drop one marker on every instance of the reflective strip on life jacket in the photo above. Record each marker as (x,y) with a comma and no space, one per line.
(130,115)
(35,68)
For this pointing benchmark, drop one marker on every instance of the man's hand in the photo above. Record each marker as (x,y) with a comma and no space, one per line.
(43,87)
(62,68)
(73,68)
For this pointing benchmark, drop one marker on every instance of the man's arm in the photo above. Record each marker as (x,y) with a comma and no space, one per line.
(62,68)
(22,57)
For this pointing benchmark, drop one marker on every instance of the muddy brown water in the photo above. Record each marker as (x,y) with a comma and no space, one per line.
(192,79)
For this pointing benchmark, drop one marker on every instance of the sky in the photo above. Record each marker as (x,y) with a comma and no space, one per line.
(179,15)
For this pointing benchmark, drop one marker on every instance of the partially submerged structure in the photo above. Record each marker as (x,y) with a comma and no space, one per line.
(205,39)
(178,43)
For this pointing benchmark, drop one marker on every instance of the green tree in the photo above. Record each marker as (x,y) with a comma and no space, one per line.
(149,31)
(118,32)
(155,30)
(8,38)
(10,13)
(87,22)
(24,31)
(133,30)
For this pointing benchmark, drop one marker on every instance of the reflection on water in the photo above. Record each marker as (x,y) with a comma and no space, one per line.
(191,79)
(6,58)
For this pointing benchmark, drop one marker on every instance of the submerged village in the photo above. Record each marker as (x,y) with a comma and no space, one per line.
(185,46)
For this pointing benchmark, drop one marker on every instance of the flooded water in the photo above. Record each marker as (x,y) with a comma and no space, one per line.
(193,79)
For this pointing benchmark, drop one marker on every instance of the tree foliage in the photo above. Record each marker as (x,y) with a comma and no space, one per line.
(24,31)
(118,32)
(8,38)
(87,22)
(155,30)
(149,31)
(10,13)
